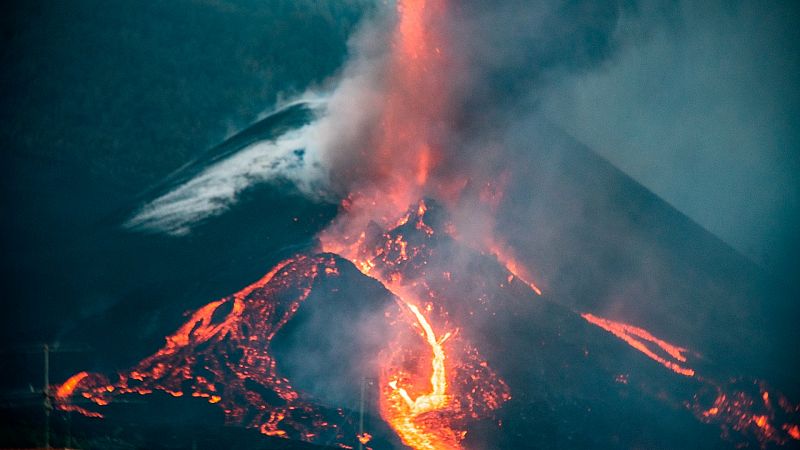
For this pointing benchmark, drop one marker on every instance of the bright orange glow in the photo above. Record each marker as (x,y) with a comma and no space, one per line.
(743,411)
(415,104)
(65,390)
(63,395)
(637,337)
(423,166)
(432,380)
(364,438)
(244,322)
(505,256)
(403,412)
(416,398)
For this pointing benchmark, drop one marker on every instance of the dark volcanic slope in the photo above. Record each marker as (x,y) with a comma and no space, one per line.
(602,243)
(572,384)
(598,242)
(288,118)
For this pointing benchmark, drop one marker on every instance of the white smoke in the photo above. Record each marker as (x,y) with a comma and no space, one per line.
(288,157)
(314,158)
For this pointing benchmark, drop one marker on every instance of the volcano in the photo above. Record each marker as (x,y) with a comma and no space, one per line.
(411,321)
(518,369)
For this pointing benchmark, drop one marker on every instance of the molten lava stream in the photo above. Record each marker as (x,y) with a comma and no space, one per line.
(637,337)
(506,258)
(414,419)
(432,382)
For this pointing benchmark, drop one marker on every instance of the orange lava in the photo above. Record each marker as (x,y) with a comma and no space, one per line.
(415,384)
(364,438)
(638,337)
(404,413)
(432,382)
(505,256)
(748,408)
(420,394)
(735,406)
(407,153)
(221,354)
(65,390)
(404,149)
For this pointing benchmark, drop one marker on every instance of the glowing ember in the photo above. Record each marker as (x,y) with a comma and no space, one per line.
(65,390)
(364,438)
(748,408)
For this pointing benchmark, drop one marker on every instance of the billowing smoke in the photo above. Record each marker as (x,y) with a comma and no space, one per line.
(471,109)
(215,189)
(423,106)
(462,103)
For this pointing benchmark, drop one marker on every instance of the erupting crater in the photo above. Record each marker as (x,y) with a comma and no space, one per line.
(435,386)
(472,353)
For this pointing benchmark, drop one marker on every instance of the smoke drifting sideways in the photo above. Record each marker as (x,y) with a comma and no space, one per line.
(491,60)
(498,163)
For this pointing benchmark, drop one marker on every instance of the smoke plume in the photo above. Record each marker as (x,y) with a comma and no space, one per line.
(467,103)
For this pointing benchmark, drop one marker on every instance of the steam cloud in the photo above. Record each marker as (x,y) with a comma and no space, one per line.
(218,186)
(304,156)
(488,81)
(591,67)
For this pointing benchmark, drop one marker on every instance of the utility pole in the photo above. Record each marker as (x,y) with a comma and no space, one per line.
(361,413)
(45,395)
(366,385)
(48,404)
(46,392)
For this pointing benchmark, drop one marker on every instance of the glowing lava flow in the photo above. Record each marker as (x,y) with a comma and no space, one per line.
(64,392)
(68,387)
(431,384)
(222,354)
(406,152)
(746,407)
(403,413)
(437,398)
(506,258)
(638,337)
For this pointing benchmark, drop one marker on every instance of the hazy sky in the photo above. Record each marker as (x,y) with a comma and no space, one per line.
(700,104)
